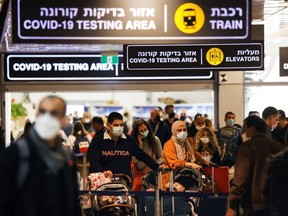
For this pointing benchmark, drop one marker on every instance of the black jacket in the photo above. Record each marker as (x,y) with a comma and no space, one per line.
(276,185)
(163,132)
(42,193)
(104,154)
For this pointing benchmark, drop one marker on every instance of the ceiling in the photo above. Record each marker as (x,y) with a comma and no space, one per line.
(273,14)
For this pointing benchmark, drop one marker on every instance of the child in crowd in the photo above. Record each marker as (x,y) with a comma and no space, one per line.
(206,138)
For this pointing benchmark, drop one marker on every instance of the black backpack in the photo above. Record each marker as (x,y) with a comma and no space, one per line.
(229,141)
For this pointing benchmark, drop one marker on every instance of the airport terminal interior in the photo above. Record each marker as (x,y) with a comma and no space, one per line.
(237,90)
(259,88)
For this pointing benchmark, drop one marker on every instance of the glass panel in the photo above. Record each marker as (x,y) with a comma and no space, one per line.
(257,98)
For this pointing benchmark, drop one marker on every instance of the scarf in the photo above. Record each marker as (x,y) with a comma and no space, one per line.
(54,159)
(182,147)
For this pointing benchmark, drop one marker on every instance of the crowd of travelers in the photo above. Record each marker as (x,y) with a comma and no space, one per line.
(41,165)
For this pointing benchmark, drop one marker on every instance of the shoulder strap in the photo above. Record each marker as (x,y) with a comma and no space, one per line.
(23,167)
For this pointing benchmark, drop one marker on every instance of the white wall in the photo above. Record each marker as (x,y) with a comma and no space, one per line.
(231,95)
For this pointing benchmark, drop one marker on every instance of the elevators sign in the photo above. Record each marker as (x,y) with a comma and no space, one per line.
(234,56)
(283,53)
(129,21)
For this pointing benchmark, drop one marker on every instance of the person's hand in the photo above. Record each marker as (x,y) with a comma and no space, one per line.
(230,212)
(207,163)
(140,140)
(108,174)
(193,165)
(150,190)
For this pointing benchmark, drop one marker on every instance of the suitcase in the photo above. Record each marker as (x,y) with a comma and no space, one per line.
(219,177)
(216,181)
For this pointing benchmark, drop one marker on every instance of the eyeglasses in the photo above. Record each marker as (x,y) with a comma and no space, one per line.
(53,112)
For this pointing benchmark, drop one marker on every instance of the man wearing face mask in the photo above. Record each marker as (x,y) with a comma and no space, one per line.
(171,118)
(250,170)
(158,127)
(229,138)
(271,117)
(39,173)
(197,124)
(111,152)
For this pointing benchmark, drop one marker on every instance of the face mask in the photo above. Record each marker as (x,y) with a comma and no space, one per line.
(171,115)
(117,131)
(182,136)
(145,134)
(245,138)
(157,118)
(230,122)
(207,158)
(47,126)
(205,140)
(183,117)
(199,127)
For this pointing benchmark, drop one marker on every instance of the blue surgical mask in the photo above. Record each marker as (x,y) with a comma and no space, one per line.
(207,158)
(230,122)
(144,134)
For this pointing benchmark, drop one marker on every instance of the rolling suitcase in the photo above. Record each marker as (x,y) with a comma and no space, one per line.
(219,177)
(215,205)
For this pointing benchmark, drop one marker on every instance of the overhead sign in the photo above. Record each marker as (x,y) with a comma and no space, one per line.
(283,53)
(79,67)
(234,56)
(122,21)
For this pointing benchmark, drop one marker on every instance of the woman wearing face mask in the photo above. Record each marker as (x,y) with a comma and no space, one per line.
(206,138)
(178,152)
(150,144)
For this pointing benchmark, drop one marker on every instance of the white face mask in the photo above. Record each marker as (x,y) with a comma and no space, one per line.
(199,127)
(87,121)
(205,140)
(117,131)
(245,138)
(47,126)
(182,136)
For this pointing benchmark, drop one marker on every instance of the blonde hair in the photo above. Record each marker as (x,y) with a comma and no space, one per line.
(212,138)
